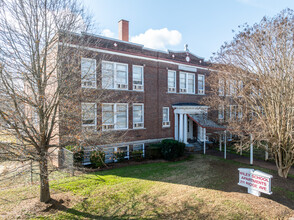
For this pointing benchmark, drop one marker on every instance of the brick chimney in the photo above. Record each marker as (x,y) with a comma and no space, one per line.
(123,30)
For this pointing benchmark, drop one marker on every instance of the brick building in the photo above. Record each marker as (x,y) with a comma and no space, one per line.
(165,89)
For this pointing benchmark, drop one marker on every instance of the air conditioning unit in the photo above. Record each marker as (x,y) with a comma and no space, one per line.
(183,90)
(108,127)
(122,86)
(171,89)
(138,87)
(138,125)
(200,91)
(165,124)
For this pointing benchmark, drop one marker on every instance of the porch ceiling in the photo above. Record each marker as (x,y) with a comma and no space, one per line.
(203,122)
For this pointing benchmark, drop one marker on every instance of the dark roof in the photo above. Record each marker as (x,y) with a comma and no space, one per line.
(204,122)
(188,103)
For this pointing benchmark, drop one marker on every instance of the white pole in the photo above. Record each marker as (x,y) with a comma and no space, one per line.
(176,126)
(181,129)
(266,152)
(220,142)
(204,140)
(185,129)
(251,149)
(225,150)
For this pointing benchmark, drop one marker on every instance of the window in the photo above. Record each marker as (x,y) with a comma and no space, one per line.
(124,150)
(138,78)
(221,88)
(139,147)
(221,112)
(138,115)
(187,83)
(240,112)
(89,114)
(171,81)
(110,153)
(165,117)
(88,73)
(114,75)
(233,112)
(240,88)
(114,116)
(201,84)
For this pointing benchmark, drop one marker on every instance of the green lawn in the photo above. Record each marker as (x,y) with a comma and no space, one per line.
(202,187)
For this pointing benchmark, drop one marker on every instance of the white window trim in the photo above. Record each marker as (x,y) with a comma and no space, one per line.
(222,109)
(143,148)
(114,119)
(203,93)
(141,104)
(187,83)
(221,87)
(95,121)
(114,77)
(82,80)
(165,124)
(175,75)
(128,151)
(142,67)
(233,107)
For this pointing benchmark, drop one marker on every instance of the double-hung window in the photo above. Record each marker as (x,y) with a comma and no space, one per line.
(139,147)
(201,84)
(138,78)
(187,83)
(171,81)
(114,116)
(89,114)
(240,112)
(221,112)
(233,112)
(138,115)
(221,87)
(88,73)
(165,117)
(114,75)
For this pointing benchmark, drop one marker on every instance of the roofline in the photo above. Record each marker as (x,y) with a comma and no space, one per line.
(213,128)
(182,51)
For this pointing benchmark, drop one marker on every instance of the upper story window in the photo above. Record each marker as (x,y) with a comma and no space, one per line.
(165,117)
(221,87)
(89,114)
(201,84)
(138,115)
(171,81)
(114,116)
(221,112)
(233,112)
(114,75)
(88,73)
(187,83)
(138,78)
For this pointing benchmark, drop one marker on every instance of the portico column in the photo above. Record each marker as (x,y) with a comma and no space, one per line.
(176,126)
(181,128)
(204,140)
(185,129)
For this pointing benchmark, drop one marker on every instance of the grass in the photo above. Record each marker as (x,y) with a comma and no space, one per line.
(201,187)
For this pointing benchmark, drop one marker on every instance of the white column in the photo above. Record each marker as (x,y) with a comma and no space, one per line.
(185,129)
(181,129)
(176,126)
(220,142)
(225,150)
(251,149)
(266,152)
(204,142)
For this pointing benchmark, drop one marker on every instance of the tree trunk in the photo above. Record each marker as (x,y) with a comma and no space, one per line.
(283,172)
(44,180)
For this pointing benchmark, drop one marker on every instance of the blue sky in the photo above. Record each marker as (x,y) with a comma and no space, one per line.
(169,24)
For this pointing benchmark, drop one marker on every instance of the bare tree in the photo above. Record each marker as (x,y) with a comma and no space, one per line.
(32,33)
(254,86)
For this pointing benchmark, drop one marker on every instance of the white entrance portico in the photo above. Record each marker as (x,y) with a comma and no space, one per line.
(184,125)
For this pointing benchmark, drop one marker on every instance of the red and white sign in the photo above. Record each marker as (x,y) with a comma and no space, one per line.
(256,181)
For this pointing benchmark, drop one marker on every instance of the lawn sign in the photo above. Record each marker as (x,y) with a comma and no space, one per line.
(256,181)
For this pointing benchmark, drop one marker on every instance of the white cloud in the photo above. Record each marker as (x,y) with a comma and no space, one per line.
(107,33)
(158,39)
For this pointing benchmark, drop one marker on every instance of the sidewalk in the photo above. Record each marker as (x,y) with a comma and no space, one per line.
(246,160)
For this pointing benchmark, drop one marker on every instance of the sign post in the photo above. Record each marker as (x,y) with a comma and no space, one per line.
(256,181)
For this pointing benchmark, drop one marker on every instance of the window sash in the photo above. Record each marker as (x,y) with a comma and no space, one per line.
(88,73)
(88,114)
(115,114)
(183,81)
(171,79)
(108,114)
(165,114)
(138,75)
(138,116)
(221,88)
(114,74)
(187,81)
(221,112)
(201,84)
